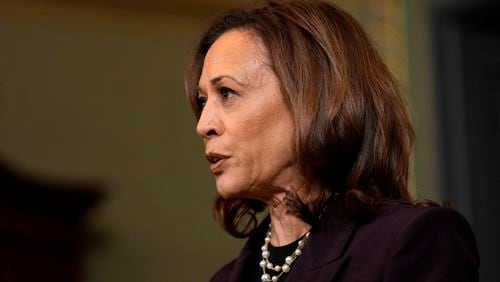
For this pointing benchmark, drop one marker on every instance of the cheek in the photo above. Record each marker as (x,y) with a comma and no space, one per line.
(268,144)
(261,133)
(278,148)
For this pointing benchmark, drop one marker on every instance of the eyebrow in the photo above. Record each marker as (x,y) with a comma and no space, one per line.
(217,79)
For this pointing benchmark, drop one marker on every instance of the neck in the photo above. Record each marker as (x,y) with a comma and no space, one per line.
(285,228)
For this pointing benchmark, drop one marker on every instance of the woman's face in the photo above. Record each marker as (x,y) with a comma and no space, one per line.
(245,125)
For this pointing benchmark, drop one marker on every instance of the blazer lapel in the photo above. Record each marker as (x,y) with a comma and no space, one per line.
(322,258)
(250,250)
(241,264)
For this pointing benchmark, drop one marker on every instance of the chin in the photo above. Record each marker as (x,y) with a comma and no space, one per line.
(228,191)
(226,194)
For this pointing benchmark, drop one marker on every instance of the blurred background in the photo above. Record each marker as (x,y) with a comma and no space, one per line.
(102,177)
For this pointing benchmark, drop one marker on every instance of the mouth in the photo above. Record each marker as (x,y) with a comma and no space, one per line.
(216,161)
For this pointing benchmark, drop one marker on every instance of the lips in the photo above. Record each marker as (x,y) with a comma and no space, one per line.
(216,162)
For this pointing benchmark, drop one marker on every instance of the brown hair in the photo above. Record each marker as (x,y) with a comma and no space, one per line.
(353,135)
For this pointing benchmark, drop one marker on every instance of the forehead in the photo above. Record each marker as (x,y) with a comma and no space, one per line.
(238,53)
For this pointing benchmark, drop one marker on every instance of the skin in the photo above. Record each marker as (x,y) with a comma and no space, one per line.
(246,124)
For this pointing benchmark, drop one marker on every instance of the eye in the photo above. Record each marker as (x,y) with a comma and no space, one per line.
(201,102)
(226,92)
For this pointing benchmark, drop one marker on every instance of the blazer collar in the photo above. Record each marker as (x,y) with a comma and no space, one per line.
(329,242)
(323,258)
(326,245)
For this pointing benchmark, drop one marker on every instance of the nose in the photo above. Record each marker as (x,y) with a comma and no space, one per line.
(209,125)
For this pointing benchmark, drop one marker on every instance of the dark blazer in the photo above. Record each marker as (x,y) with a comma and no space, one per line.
(402,244)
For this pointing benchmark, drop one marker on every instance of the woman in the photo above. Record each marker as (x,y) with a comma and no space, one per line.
(299,114)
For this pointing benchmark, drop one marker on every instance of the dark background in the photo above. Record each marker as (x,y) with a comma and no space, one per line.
(467,71)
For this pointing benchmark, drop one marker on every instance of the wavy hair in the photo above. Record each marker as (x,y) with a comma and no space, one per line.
(353,136)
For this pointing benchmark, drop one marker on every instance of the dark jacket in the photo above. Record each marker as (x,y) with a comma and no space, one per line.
(402,244)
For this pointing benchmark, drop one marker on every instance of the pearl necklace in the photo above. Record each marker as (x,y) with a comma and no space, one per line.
(284,268)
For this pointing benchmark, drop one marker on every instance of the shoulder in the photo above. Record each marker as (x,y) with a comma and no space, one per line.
(443,230)
(407,243)
(399,226)
(224,272)
(400,218)
(409,212)
(436,241)
(408,221)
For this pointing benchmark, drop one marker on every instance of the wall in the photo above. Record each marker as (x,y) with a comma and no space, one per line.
(91,93)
